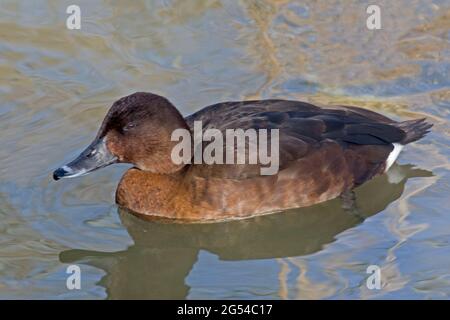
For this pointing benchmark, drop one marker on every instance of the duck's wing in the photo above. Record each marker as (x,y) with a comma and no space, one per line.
(303,128)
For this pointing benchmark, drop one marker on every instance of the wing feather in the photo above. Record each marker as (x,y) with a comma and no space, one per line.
(302,127)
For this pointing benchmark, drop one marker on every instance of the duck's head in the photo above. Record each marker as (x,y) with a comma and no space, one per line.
(136,130)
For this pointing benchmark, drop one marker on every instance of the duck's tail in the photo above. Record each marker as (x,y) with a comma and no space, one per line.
(414,129)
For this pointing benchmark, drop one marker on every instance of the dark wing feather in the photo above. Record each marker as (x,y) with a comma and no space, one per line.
(302,126)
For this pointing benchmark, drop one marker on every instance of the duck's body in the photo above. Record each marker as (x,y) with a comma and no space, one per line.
(323,152)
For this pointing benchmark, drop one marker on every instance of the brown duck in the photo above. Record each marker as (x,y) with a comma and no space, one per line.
(324,152)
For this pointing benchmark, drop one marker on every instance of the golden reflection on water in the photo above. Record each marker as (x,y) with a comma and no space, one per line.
(56,85)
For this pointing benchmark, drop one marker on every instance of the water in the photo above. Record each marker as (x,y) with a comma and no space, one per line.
(57,84)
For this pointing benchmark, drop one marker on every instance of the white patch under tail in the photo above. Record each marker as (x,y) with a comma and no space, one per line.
(393,155)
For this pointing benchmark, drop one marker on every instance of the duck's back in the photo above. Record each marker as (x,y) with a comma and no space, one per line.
(303,129)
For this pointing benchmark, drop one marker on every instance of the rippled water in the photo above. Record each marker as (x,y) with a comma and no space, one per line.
(56,85)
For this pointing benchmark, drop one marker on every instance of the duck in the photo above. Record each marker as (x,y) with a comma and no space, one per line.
(324,152)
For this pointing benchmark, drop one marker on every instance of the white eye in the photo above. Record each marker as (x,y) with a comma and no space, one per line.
(129,126)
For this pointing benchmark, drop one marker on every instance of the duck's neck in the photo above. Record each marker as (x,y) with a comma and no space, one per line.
(152,194)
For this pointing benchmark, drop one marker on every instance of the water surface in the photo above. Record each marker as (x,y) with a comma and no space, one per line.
(57,84)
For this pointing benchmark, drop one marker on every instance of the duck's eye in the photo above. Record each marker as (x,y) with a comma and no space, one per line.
(129,126)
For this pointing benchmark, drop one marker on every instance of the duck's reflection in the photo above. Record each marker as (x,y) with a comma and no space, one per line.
(163,254)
